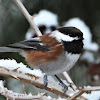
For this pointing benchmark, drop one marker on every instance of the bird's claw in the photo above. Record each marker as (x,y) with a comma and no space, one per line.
(65,89)
(45,82)
(64,86)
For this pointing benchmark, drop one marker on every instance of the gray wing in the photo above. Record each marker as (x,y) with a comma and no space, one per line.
(34,44)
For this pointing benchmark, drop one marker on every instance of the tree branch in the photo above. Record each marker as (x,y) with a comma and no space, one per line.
(28,17)
(32,79)
(83,90)
(69,81)
(24,74)
(17,96)
(38,82)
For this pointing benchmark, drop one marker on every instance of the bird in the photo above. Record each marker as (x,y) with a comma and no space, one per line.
(52,53)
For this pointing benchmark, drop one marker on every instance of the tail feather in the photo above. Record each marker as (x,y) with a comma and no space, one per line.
(8,49)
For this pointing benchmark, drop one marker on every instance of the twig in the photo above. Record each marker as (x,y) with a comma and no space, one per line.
(85,89)
(34,80)
(69,81)
(38,82)
(25,76)
(28,17)
(17,96)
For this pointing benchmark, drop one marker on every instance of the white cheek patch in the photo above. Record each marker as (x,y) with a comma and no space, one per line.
(60,36)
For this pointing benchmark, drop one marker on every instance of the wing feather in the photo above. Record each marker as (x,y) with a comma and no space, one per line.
(33,43)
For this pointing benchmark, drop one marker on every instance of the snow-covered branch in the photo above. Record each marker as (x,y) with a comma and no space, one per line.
(83,90)
(10,68)
(17,96)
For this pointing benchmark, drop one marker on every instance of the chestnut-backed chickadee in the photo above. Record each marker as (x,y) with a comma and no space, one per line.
(52,53)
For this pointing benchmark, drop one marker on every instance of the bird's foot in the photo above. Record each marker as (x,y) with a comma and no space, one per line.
(45,82)
(62,84)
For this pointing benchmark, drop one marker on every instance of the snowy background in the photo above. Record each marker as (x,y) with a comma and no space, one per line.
(48,16)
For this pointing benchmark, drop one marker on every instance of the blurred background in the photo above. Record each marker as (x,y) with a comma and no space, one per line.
(49,15)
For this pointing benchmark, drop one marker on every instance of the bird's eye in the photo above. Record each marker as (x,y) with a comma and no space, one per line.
(53,28)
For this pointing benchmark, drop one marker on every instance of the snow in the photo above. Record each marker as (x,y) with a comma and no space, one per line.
(44,17)
(96,77)
(19,96)
(78,23)
(61,98)
(94,95)
(29,34)
(11,64)
(88,56)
